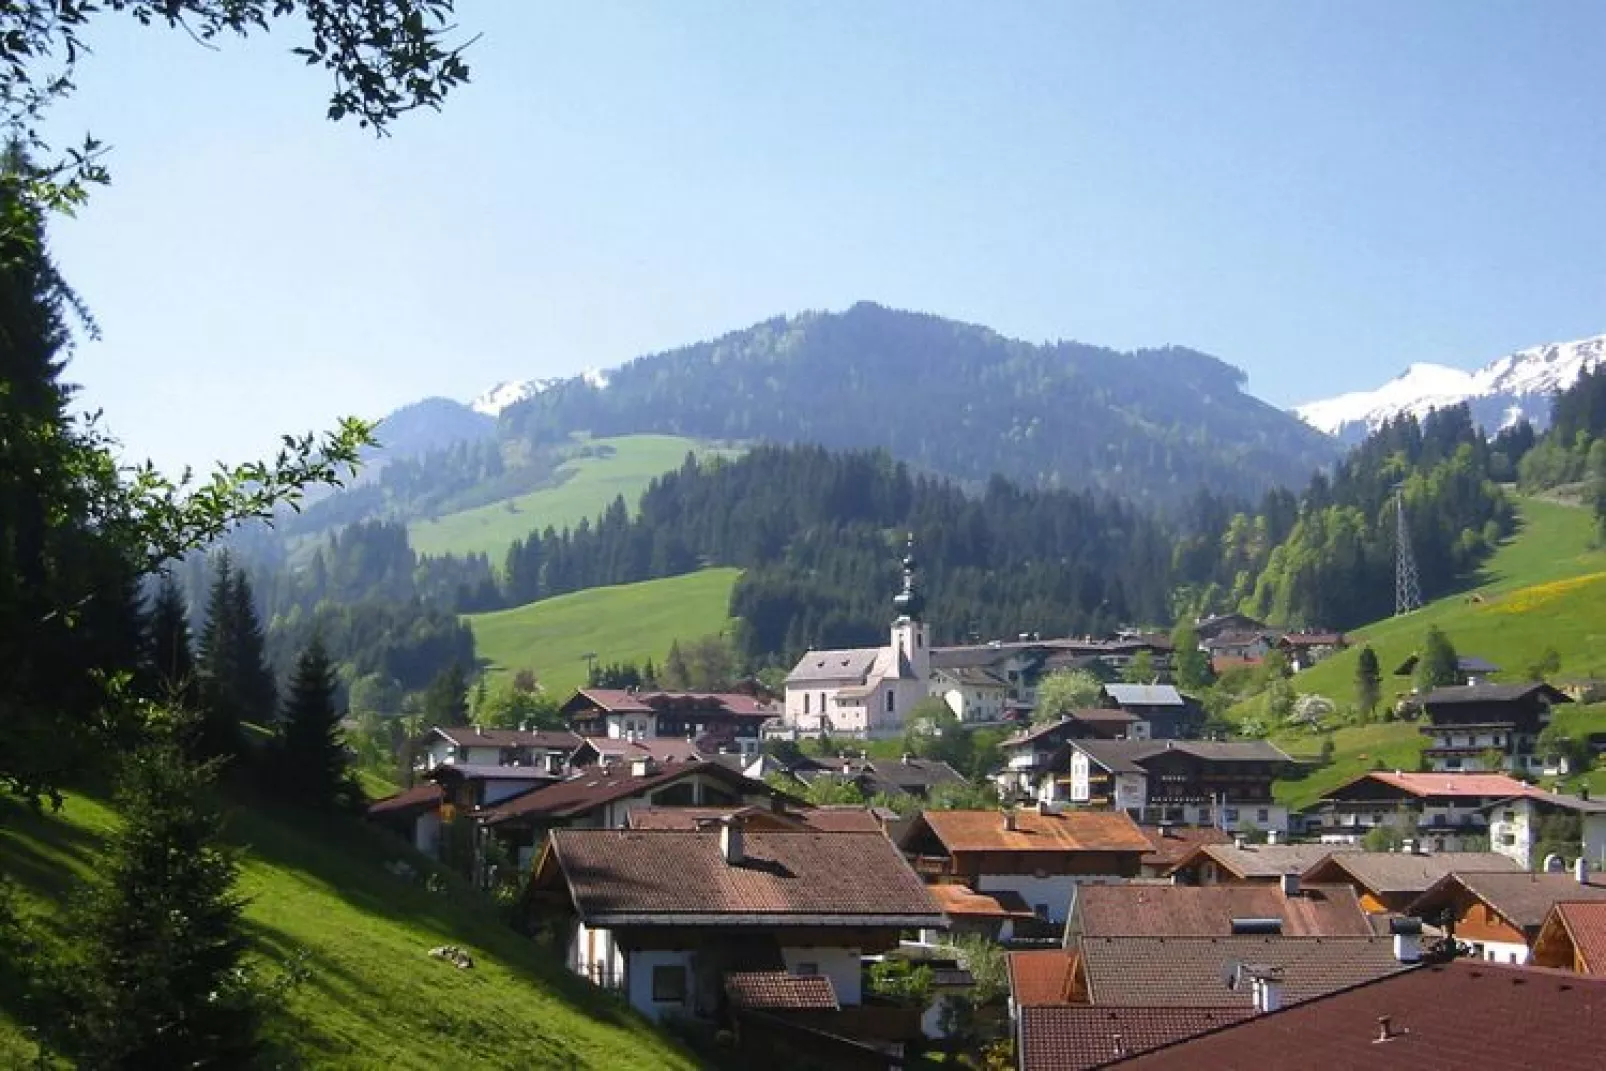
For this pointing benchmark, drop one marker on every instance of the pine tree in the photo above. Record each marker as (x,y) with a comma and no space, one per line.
(1439,664)
(158,980)
(172,658)
(446,698)
(1368,682)
(315,768)
(218,730)
(258,694)
(676,675)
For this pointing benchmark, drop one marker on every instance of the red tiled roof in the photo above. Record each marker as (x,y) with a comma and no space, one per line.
(423,797)
(962,901)
(1450,1017)
(663,877)
(1173,843)
(1079,1038)
(779,991)
(841,818)
(1459,785)
(1067,831)
(1585,924)
(1209,911)
(1041,976)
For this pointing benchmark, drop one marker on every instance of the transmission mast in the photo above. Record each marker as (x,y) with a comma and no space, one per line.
(1407,592)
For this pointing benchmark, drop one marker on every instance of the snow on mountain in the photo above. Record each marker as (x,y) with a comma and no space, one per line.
(499,397)
(1499,394)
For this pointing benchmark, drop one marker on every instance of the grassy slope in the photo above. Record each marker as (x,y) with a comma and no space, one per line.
(1544,588)
(629,622)
(589,484)
(374,999)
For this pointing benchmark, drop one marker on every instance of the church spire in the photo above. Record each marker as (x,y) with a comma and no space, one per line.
(909,602)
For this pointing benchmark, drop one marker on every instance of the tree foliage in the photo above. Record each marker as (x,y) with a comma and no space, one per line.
(1438,665)
(1063,691)
(1368,681)
(315,768)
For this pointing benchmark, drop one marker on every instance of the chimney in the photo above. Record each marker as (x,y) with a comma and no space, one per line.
(1290,884)
(730,841)
(1268,987)
(907,758)
(1009,819)
(1581,871)
(1385,1030)
(1273,836)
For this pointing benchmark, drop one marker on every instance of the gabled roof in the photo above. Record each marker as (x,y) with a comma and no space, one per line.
(1067,831)
(1312,639)
(628,701)
(479,771)
(1559,801)
(474,736)
(663,749)
(1522,899)
(851,664)
(1585,925)
(1463,1014)
(597,787)
(415,800)
(1449,785)
(621,877)
(972,676)
(1037,732)
(1262,860)
(1079,1038)
(843,819)
(1403,873)
(1129,756)
(780,991)
(1146,695)
(1194,972)
(1490,693)
(1464,663)
(1173,843)
(1209,910)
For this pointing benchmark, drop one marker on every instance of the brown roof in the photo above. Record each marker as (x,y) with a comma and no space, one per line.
(1585,923)
(422,797)
(624,701)
(960,900)
(472,736)
(1041,976)
(835,819)
(1172,843)
(777,990)
(1264,860)
(1381,873)
(1192,972)
(1464,1014)
(665,877)
(1522,899)
(1079,1038)
(1067,831)
(1209,911)
(664,749)
(599,786)
(841,818)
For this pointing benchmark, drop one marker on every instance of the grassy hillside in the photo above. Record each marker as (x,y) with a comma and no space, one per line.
(374,999)
(587,485)
(628,622)
(1543,589)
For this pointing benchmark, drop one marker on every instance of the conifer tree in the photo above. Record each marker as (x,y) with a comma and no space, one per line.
(446,698)
(676,674)
(258,694)
(1368,681)
(218,730)
(316,771)
(172,657)
(1439,664)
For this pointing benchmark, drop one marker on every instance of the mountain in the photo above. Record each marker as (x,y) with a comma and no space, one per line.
(1499,394)
(512,392)
(951,398)
(428,425)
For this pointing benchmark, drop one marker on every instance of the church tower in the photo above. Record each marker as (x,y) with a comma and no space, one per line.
(909,639)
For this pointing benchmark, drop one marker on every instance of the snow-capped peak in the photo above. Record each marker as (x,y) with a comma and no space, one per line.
(499,397)
(1501,393)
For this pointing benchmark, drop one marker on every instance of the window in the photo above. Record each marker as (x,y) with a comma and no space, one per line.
(1509,815)
(1041,910)
(892,702)
(1230,814)
(1263,815)
(806,698)
(822,702)
(807,970)
(669,985)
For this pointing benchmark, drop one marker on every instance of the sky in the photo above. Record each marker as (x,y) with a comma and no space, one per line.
(1320,193)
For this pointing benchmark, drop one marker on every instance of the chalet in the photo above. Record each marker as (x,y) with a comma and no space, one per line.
(669,918)
(467,788)
(1573,938)
(905,776)
(1040,856)
(1469,668)
(1440,811)
(1516,825)
(413,814)
(1244,863)
(711,720)
(1032,758)
(776,817)
(1388,883)
(1306,649)
(1188,782)
(479,746)
(1458,1014)
(1210,627)
(622,751)
(1289,908)
(1500,913)
(1169,713)
(1470,724)
(1242,646)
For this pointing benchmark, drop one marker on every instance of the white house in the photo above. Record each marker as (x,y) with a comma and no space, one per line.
(1514,826)
(973,693)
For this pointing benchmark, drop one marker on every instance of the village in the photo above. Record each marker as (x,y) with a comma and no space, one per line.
(1137,894)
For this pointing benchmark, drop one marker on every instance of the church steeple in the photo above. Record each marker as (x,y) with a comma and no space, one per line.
(909,602)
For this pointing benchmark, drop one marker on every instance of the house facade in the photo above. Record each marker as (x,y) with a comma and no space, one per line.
(1170,715)
(711,721)
(1500,914)
(1442,812)
(1516,826)
(1186,782)
(1487,727)
(478,746)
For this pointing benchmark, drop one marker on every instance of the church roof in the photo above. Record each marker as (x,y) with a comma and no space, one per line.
(849,664)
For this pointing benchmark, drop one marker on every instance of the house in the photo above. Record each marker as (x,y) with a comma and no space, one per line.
(413,814)
(1440,811)
(1170,714)
(1172,843)
(669,917)
(1082,1037)
(1207,628)
(1187,782)
(991,915)
(467,788)
(1517,825)
(1388,883)
(1472,727)
(663,751)
(478,746)
(1500,913)
(1290,908)
(1573,938)
(710,720)
(1469,668)
(1306,649)
(865,691)
(1241,862)
(1459,1014)
(904,776)
(973,693)
(777,817)
(1248,646)
(1040,855)
(1041,977)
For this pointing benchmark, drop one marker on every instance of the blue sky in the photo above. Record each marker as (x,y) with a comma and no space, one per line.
(1320,193)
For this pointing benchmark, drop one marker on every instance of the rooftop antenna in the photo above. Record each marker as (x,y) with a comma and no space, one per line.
(1407,592)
